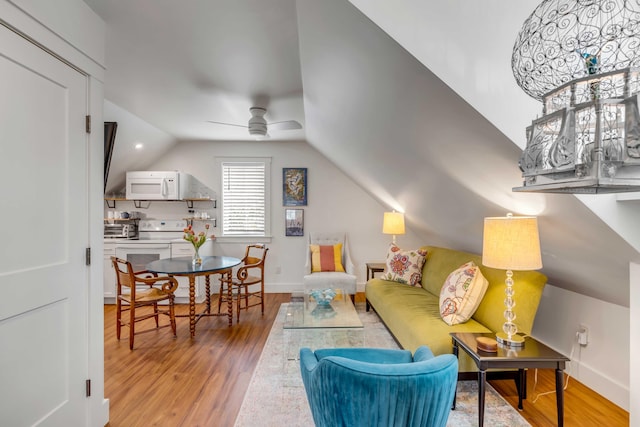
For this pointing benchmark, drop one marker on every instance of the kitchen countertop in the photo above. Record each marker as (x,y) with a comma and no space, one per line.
(144,241)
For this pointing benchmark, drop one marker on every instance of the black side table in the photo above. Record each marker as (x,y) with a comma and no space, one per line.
(373,268)
(534,354)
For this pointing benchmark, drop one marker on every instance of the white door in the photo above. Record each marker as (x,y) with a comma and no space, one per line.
(43,235)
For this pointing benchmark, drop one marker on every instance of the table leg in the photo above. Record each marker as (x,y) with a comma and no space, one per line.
(455,393)
(192,305)
(559,396)
(521,386)
(482,382)
(229,297)
(207,289)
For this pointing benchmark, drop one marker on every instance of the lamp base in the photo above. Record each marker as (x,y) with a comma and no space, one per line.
(514,341)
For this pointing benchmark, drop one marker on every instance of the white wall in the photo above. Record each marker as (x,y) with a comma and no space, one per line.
(335,203)
(603,364)
(634,340)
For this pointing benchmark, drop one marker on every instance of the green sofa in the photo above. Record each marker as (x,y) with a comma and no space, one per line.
(412,313)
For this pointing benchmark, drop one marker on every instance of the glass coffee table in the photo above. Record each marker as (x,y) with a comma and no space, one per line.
(306,312)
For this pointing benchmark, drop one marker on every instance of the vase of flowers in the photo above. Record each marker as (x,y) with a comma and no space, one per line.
(196,240)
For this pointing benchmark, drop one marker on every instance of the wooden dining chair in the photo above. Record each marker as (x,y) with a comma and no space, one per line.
(138,289)
(250,274)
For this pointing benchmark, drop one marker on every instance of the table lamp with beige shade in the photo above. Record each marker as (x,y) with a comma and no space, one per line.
(511,243)
(393,223)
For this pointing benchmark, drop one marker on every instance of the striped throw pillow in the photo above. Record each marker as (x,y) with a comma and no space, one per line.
(326,258)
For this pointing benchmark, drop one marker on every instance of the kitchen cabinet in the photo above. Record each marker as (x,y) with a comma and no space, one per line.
(109,283)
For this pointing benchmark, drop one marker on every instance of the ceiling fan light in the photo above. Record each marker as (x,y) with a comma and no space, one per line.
(257,128)
(258,132)
(257,123)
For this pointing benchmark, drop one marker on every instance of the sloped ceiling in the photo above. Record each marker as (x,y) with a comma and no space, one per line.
(409,139)
(367,104)
(179,64)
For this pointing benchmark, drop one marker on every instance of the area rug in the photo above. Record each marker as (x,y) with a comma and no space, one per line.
(276,395)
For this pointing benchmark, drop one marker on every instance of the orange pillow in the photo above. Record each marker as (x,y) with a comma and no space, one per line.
(326,258)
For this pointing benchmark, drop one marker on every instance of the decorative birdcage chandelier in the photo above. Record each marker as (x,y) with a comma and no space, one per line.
(581,58)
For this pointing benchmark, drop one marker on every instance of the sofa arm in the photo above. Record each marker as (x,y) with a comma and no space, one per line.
(308,360)
(422,353)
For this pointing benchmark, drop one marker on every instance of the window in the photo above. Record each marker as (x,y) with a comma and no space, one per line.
(245,196)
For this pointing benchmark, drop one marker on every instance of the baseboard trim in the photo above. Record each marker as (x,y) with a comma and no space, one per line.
(595,380)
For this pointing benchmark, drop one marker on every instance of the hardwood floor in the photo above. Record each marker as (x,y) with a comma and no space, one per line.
(202,381)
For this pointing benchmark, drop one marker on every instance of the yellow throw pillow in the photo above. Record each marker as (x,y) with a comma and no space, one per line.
(326,258)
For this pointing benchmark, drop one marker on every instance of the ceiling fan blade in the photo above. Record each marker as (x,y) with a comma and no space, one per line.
(226,124)
(284,125)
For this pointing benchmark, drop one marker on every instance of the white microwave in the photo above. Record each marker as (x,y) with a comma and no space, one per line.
(158,185)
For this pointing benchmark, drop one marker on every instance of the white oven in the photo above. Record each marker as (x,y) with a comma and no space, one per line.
(154,241)
(141,253)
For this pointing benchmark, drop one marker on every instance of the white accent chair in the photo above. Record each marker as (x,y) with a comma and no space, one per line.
(331,279)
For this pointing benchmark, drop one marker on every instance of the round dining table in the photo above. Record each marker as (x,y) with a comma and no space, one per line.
(184,267)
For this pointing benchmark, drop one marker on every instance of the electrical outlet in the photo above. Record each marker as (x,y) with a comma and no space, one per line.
(583,334)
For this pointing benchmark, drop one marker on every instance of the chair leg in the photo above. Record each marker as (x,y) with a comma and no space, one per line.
(172,315)
(132,316)
(155,311)
(118,318)
(262,297)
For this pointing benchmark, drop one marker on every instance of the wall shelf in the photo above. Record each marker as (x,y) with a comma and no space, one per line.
(213,220)
(190,202)
(111,202)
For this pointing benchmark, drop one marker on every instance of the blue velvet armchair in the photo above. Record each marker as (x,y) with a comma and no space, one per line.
(378,387)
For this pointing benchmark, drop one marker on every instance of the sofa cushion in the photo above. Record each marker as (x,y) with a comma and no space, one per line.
(326,258)
(412,315)
(461,293)
(404,266)
(330,279)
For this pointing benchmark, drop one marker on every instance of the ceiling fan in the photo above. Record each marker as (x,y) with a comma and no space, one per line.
(258,126)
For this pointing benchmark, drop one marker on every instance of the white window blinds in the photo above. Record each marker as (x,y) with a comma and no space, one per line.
(244,198)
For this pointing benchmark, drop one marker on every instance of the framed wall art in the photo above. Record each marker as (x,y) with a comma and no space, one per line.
(294,222)
(294,186)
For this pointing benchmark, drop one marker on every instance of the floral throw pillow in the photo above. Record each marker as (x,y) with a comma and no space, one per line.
(404,266)
(461,293)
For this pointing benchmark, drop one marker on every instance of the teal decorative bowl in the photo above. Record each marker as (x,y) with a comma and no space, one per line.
(323,296)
